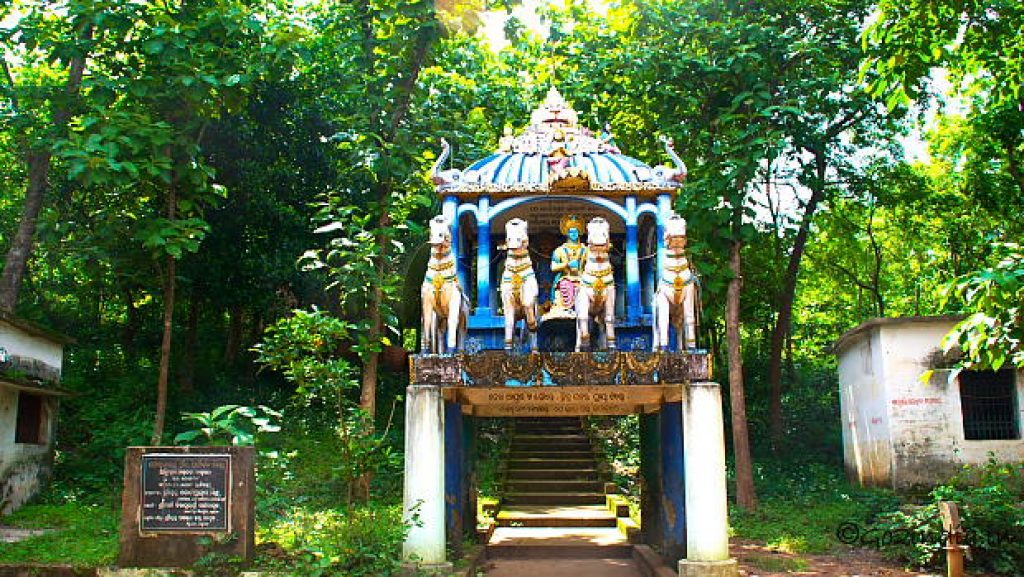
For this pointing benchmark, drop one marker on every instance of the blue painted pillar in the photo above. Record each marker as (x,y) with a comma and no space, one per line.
(673,506)
(483,257)
(634,306)
(454,477)
(664,211)
(650,478)
(469,476)
(450,210)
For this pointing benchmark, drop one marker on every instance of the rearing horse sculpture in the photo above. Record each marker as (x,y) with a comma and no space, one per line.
(677,299)
(596,297)
(518,284)
(445,306)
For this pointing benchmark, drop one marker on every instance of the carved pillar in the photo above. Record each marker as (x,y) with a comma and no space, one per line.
(423,497)
(483,258)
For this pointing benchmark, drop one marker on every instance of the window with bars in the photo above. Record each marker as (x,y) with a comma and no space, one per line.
(988,401)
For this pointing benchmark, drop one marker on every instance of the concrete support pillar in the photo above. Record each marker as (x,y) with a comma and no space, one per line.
(423,497)
(673,505)
(707,548)
(454,477)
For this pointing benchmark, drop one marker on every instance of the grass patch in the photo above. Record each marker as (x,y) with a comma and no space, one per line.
(795,527)
(83,535)
(803,505)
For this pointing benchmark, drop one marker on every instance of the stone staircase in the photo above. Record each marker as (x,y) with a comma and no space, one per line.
(554,503)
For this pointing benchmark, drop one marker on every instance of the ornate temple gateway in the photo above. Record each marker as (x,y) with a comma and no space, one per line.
(558,285)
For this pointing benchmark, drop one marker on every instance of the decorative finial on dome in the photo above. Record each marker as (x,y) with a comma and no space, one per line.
(554,111)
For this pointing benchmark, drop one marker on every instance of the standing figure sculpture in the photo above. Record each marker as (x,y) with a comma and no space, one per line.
(677,299)
(596,295)
(518,283)
(566,262)
(445,306)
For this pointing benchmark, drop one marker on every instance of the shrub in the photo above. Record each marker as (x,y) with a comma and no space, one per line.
(990,499)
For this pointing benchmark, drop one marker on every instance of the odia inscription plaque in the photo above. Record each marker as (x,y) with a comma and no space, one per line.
(185,493)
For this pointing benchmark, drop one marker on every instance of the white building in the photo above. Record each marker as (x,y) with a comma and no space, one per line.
(30,367)
(901,432)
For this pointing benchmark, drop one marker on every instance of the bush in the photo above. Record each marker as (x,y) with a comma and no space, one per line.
(365,540)
(990,498)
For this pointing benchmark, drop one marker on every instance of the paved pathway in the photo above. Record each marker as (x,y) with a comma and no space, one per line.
(562,568)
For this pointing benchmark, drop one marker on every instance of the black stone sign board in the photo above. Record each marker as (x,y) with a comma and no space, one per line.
(180,503)
(186,493)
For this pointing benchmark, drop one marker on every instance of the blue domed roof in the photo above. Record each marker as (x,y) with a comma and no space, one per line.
(555,153)
(512,168)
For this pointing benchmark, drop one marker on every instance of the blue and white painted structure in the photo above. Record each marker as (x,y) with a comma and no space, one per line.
(554,168)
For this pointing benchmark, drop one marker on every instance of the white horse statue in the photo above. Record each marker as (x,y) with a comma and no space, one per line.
(677,298)
(445,306)
(518,283)
(596,296)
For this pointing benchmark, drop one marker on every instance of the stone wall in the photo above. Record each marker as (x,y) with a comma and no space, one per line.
(24,468)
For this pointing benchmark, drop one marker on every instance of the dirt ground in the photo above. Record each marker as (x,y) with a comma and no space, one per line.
(758,560)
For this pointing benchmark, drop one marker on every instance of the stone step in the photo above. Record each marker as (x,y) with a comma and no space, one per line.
(548,438)
(564,498)
(558,543)
(554,455)
(551,448)
(553,486)
(548,420)
(551,464)
(538,430)
(555,516)
(583,474)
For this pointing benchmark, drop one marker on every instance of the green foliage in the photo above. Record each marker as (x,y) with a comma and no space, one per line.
(991,336)
(230,425)
(85,535)
(978,40)
(989,498)
(307,348)
(619,437)
(364,541)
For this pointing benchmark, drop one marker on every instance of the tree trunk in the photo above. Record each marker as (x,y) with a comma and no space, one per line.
(21,244)
(746,495)
(784,319)
(38,162)
(371,365)
(165,345)
(165,353)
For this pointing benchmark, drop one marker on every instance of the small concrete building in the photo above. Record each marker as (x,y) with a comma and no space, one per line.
(902,432)
(30,368)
